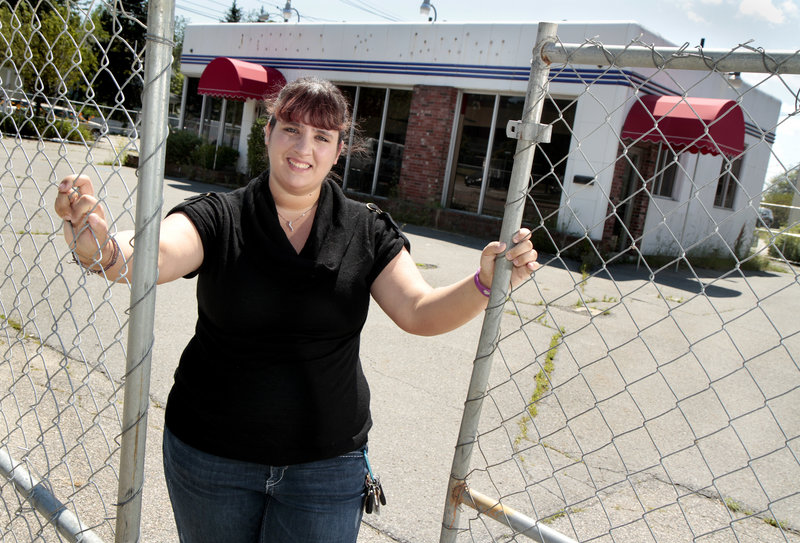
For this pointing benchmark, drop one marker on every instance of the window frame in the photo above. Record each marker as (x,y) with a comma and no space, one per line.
(729,175)
(664,169)
(565,111)
(380,140)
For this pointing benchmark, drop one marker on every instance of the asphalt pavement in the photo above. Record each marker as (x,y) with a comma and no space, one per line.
(633,343)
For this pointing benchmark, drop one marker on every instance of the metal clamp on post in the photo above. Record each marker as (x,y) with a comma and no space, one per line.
(533,132)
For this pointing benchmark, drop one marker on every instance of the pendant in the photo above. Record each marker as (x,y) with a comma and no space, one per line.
(289,224)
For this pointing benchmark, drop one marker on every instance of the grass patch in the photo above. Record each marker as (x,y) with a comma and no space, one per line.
(736,507)
(552,518)
(764,263)
(713,262)
(564,512)
(542,384)
(119,160)
(775,523)
(16,325)
(585,304)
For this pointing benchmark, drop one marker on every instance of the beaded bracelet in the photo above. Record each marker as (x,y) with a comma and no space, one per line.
(115,250)
(483,289)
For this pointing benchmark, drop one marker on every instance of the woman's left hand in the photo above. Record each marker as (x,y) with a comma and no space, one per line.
(522,255)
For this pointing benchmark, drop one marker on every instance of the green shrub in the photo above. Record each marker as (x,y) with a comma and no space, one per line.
(226,158)
(203,156)
(789,246)
(65,130)
(180,146)
(542,236)
(7,125)
(40,127)
(257,160)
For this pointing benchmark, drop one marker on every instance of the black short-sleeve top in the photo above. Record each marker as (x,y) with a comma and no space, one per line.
(272,374)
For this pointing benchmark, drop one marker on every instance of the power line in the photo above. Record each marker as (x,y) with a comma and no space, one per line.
(371,9)
(207,11)
(223,5)
(318,19)
(207,15)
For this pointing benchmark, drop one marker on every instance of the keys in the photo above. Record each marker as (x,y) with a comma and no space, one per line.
(374,495)
(373,491)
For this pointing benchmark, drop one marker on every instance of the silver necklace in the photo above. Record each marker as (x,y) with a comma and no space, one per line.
(288,222)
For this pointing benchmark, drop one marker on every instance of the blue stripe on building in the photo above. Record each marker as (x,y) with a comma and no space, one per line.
(583,76)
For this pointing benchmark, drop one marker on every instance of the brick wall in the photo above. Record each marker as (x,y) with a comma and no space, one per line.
(427,141)
(640,201)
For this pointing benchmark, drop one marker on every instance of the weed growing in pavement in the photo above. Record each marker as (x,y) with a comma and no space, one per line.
(542,384)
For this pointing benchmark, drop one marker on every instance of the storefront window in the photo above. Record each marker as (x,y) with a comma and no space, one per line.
(233,123)
(193,107)
(503,149)
(394,140)
(349,93)
(550,161)
(467,189)
(369,105)
(472,142)
(232,126)
(369,113)
(210,123)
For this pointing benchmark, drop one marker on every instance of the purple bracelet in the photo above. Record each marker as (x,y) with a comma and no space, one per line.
(483,289)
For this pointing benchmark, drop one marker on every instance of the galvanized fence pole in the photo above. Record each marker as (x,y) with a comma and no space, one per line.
(154,130)
(675,58)
(37,493)
(529,133)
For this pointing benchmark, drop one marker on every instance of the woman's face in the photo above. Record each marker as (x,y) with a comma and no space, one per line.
(301,155)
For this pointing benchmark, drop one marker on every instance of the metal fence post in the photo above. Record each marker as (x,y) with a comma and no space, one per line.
(155,101)
(43,500)
(512,219)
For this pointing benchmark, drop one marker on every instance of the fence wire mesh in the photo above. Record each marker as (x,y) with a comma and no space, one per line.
(649,389)
(642,395)
(70,84)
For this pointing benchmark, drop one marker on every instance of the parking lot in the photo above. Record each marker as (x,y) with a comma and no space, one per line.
(669,390)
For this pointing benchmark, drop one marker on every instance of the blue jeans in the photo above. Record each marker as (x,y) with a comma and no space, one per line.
(219,500)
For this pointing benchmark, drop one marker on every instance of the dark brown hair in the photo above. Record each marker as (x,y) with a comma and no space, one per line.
(312,101)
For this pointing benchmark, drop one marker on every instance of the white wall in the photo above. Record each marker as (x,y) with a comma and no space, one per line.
(495,58)
(707,230)
(593,151)
(471,56)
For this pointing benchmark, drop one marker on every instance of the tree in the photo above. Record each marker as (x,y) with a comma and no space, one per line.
(781,191)
(234,14)
(256,16)
(120,78)
(50,47)
(176,83)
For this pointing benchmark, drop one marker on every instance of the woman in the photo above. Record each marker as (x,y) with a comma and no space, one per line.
(267,421)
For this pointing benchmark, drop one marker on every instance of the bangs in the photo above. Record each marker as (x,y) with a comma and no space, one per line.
(314,109)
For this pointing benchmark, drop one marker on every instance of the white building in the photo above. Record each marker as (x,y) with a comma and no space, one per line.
(434,99)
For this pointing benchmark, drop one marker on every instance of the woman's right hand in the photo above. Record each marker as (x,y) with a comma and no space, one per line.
(85,226)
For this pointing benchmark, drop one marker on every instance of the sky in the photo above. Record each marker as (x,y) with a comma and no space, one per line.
(773,25)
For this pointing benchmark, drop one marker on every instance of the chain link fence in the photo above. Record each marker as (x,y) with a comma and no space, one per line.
(650,394)
(72,79)
(653,392)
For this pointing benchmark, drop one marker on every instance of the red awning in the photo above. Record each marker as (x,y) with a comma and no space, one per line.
(239,80)
(704,125)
